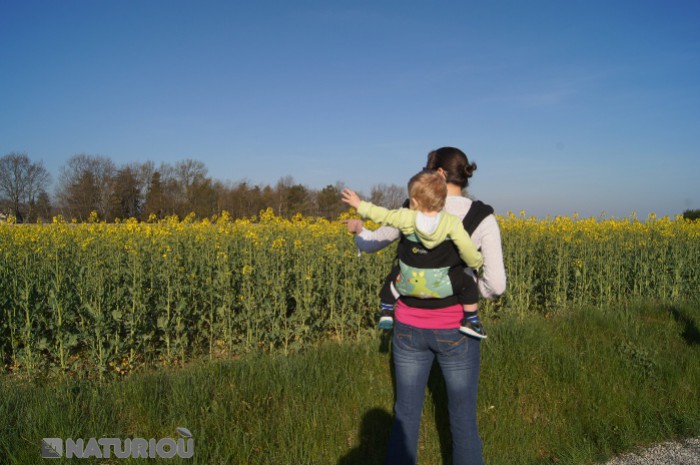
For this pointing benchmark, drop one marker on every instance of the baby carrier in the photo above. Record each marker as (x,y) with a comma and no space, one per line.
(433,278)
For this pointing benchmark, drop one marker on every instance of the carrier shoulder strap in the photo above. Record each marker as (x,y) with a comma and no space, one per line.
(476,214)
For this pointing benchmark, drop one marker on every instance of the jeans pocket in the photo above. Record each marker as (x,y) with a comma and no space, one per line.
(451,343)
(403,336)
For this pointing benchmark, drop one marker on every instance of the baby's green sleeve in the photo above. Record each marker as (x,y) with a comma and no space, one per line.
(402,218)
(467,250)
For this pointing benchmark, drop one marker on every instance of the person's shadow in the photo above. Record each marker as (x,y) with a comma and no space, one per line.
(690,334)
(374,437)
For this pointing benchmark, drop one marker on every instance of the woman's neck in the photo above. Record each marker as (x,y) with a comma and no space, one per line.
(453,189)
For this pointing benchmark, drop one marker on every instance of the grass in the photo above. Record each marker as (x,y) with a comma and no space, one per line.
(573,387)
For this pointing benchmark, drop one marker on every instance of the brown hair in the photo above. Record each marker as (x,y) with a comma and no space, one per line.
(429,190)
(454,162)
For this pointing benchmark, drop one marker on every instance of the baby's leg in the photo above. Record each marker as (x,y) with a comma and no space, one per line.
(388,297)
(469,298)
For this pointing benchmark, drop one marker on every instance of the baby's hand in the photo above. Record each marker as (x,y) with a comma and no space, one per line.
(351,198)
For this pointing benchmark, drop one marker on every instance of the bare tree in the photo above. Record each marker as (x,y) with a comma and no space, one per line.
(283,185)
(86,185)
(197,194)
(127,199)
(388,196)
(328,204)
(167,197)
(180,190)
(143,172)
(237,199)
(21,182)
(154,201)
(42,208)
(201,198)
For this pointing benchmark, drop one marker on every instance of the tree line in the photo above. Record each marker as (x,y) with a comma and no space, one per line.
(142,190)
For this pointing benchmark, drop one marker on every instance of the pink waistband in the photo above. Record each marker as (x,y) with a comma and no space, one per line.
(441,318)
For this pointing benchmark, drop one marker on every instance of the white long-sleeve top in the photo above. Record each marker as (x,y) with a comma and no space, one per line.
(486,237)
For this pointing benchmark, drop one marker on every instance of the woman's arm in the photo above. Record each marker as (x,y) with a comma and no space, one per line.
(373,241)
(487,236)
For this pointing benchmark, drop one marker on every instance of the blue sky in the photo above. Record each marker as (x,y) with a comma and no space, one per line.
(566,106)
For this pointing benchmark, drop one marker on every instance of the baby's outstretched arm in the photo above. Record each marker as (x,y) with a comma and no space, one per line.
(402,218)
(351,198)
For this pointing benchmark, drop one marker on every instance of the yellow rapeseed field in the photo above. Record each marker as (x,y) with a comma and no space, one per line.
(100,299)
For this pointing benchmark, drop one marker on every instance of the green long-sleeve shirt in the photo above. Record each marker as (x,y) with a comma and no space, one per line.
(448,227)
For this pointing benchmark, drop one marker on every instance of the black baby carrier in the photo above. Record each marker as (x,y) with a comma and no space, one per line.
(433,278)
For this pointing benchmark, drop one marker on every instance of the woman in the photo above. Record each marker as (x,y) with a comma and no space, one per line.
(423,334)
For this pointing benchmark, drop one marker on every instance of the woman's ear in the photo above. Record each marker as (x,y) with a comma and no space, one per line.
(441,172)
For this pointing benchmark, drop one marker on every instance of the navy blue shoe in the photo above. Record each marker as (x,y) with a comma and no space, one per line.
(472,328)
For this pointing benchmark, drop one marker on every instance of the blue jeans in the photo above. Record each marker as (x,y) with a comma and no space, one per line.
(414,350)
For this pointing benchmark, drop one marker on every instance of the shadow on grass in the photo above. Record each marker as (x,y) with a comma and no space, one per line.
(376,423)
(374,437)
(384,342)
(690,334)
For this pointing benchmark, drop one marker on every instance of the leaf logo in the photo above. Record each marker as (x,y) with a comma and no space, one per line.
(184,432)
(51,448)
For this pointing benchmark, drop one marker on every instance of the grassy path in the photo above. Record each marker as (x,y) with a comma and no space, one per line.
(574,388)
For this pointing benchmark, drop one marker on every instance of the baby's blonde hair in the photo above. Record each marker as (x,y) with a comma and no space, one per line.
(429,190)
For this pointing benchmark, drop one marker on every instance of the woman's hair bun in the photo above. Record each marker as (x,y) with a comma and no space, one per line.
(469,169)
